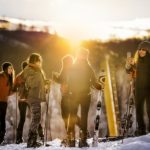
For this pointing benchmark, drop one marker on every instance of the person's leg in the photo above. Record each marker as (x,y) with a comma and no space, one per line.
(148,108)
(85,104)
(71,121)
(22,110)
(40,132)
(139,101)
(3,108)
(65,109)
(36,117)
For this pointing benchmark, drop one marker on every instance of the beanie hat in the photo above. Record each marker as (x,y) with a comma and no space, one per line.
(5,66)
(144,45)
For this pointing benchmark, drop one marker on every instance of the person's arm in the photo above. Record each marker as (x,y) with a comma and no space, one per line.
(1,81)
(130,65)
(58,77)
(15,85)
(18,82)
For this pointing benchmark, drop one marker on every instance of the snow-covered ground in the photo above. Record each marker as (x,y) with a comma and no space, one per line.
(136,143)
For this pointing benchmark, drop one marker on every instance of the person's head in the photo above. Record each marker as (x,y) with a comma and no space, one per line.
(143,48)
(82,54)
(67,61)
(7,67)
(23,65)
(36,59)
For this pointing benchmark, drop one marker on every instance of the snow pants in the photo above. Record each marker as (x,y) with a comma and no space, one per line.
(84,101)
(35,122)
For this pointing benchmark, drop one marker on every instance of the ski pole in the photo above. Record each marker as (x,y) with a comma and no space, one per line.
(46,118)
(16,116)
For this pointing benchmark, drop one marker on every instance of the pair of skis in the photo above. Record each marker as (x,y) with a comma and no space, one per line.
(97,119)
(127,121)
(98,109)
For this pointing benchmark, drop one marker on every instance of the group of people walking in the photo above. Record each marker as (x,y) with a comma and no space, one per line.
(76,78)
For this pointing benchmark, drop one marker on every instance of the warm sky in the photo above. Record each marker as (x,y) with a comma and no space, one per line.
(78,19)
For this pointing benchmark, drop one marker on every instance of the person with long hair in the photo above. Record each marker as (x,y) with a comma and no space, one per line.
(6,83)
(63,78)
(140,65)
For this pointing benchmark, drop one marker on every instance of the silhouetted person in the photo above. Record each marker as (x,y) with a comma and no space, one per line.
(63,78)
(81,79)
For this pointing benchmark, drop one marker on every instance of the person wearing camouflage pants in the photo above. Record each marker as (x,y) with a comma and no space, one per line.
(35,85)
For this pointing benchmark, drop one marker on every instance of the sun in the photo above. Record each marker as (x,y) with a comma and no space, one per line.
(77,19)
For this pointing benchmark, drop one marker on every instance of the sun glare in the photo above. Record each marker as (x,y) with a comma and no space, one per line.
(77,19)
(84,19)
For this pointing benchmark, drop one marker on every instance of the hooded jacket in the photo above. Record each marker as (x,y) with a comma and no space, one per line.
(19,84)
(34,83)
(4,87)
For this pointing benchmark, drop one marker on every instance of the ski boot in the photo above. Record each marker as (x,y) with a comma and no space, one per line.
(2,140)
(64,142)
(83,143)
(32,140)
(41,134)
(19,138)
(71,140)
(82,140)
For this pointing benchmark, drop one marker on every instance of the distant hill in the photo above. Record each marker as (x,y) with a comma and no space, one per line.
(15,46)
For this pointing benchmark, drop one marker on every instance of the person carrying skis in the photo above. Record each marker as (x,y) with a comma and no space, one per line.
(19,86)
(81,79)
(141,65)
(36,93)
(6,83)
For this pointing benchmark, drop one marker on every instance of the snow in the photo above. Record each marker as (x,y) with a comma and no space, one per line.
(57,130)
(136,143)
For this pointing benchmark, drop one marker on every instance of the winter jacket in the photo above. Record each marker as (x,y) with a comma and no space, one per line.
(63,80)
(4,87)
(81,78)
(143,72)
(34,83)
(19,85)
